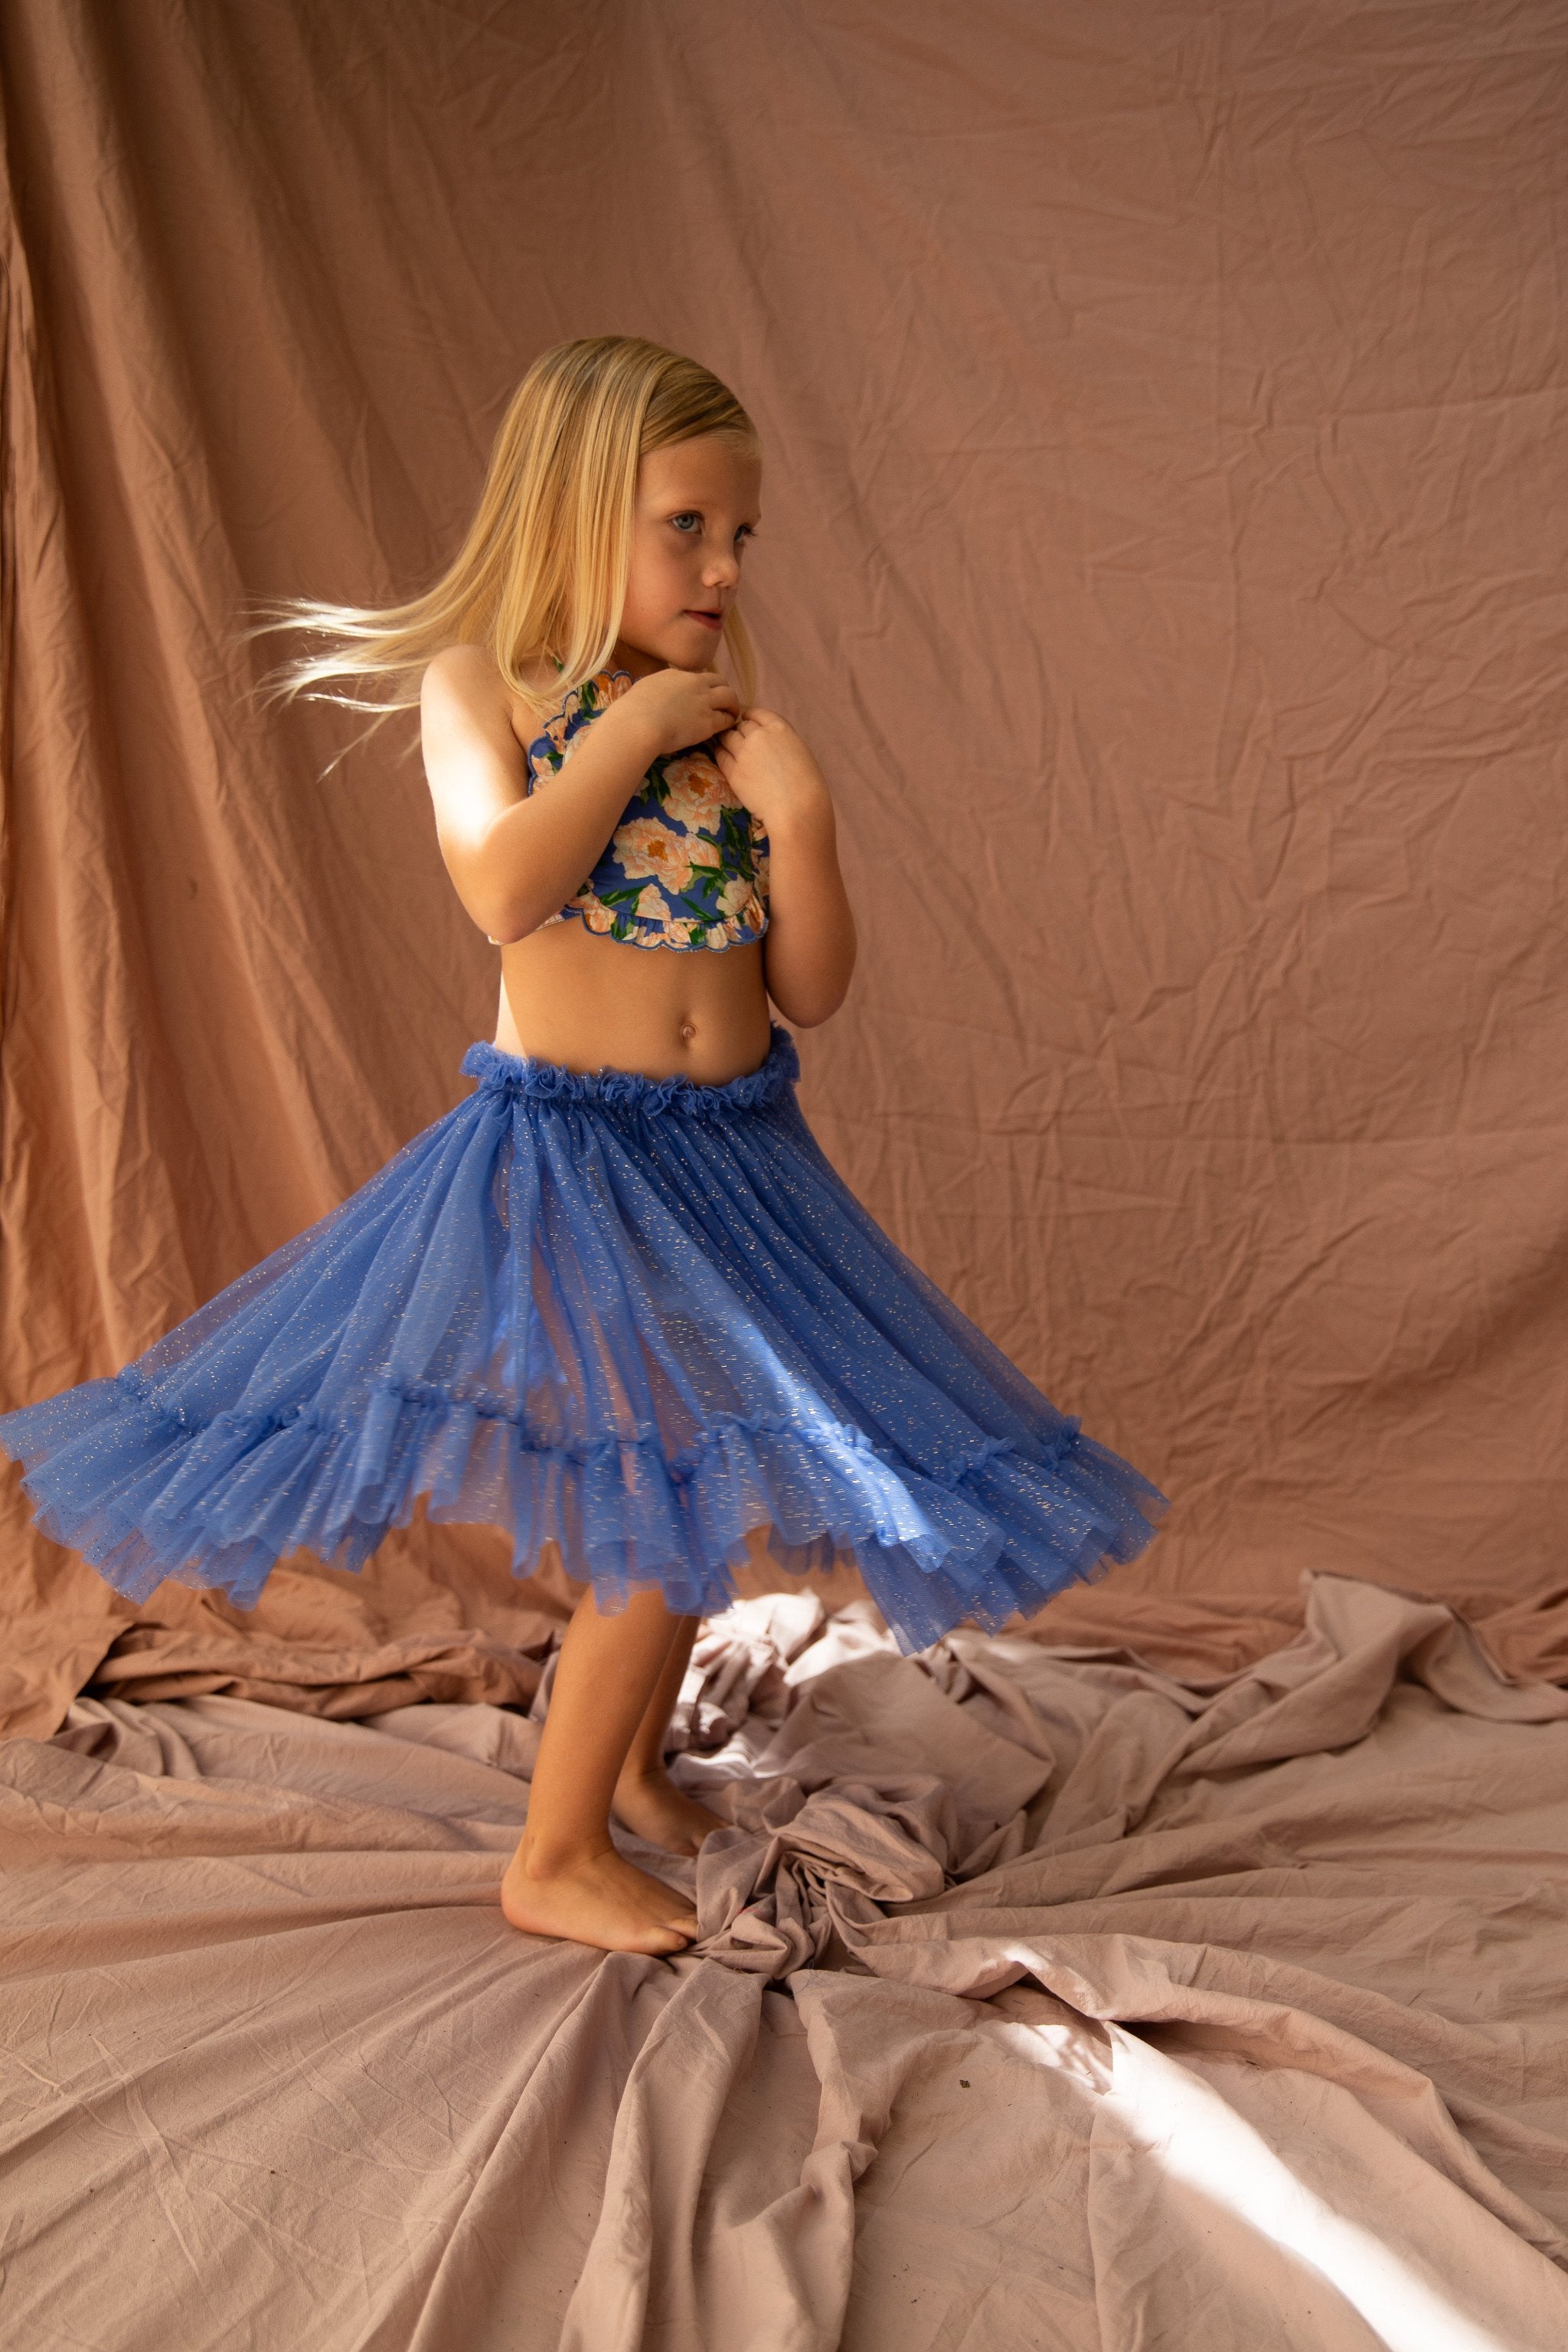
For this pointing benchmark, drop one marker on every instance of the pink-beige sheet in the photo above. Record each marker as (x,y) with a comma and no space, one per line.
(1044,2000)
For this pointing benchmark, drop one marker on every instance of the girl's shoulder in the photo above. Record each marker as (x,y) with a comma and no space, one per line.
(464,674)
(473,669)
(467,678)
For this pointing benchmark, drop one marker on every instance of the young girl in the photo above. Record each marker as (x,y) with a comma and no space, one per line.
(617,1298)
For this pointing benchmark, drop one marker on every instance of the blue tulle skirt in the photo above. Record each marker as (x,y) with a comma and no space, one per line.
(641,1317)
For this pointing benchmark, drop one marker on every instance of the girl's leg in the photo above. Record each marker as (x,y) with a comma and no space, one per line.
(566,1878)
(647,1800)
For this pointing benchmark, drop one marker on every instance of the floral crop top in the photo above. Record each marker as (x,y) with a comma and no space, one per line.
(685,867)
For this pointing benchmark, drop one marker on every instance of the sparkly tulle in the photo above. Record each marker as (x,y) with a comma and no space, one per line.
(641,1317)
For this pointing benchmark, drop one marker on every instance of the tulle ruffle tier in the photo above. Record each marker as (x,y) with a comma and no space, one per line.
(638,1318)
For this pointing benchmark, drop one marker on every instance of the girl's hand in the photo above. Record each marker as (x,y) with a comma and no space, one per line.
(771,772)
(680,707)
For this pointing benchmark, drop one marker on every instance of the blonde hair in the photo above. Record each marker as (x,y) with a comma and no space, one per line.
(542,571)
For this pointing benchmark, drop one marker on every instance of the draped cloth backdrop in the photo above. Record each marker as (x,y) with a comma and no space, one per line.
(1164,414)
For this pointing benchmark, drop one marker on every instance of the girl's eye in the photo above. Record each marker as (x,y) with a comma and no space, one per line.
(679,519)
(746,531)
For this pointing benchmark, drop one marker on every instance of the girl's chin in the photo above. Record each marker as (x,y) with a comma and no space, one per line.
(687,646)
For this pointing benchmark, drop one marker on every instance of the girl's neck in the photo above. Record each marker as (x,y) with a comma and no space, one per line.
(633,659)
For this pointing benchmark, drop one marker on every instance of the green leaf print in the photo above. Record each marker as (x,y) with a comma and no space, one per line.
(734,840)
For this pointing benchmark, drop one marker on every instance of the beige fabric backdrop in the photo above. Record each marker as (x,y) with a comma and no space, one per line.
(1162,547)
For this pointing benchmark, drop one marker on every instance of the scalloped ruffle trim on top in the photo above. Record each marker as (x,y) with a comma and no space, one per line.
(726,932)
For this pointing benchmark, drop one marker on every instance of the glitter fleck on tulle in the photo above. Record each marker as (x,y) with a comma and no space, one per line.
(640,1316)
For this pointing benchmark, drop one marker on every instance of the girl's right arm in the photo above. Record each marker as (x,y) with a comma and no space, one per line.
(514,858)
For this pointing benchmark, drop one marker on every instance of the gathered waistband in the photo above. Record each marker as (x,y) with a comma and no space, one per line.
(551,1082)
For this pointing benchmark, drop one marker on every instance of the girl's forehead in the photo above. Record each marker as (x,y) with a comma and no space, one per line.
(712,466)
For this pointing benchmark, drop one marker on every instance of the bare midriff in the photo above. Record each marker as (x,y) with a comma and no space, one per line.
(569,995)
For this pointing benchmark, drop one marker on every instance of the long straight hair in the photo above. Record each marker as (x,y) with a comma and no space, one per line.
(543,573)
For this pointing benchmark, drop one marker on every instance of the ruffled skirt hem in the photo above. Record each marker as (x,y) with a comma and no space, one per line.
(215,1507)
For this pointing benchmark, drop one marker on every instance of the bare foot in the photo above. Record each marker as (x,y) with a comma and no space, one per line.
(651,1806)
(596,1897)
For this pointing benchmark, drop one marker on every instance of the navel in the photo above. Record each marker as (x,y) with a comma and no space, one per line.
(688,1031)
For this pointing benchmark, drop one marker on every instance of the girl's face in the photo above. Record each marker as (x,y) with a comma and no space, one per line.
(696,508)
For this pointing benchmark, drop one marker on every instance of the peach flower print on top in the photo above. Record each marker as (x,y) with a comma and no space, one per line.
(646,847)
(695,793)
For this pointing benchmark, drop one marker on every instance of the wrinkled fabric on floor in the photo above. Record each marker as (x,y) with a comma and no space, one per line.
(1043,1999)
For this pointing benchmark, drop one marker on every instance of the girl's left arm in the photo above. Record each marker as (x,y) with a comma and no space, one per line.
(808,948)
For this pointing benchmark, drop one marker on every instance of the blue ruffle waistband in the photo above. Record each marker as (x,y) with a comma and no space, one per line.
(520,1074)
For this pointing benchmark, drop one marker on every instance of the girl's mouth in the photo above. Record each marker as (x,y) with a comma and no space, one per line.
(708,620)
